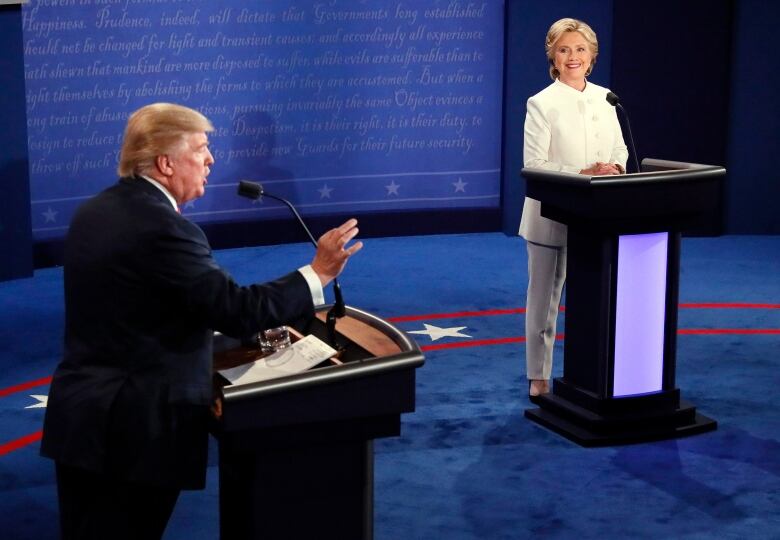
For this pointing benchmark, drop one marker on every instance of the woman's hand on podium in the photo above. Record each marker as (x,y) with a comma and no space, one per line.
(602,169)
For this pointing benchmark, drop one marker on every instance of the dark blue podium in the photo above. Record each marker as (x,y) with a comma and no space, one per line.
(618,384)
(296,453)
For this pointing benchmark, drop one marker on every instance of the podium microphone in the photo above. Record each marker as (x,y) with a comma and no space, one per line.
(615,102)
(253,190)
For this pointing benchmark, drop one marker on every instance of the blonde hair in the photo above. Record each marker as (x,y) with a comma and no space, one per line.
(557,30)
(154,130)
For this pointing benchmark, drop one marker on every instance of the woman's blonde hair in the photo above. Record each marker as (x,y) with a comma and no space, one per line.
(557,30)
(155,130)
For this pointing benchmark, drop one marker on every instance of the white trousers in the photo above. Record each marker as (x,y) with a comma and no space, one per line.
(546,276)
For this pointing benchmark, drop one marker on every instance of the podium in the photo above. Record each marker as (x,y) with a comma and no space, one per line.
(296,453)
(623,260)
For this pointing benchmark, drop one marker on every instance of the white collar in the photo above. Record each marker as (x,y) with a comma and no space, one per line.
(572,89)
(159,186)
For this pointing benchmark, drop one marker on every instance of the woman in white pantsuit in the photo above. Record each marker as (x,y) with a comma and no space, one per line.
(569,127)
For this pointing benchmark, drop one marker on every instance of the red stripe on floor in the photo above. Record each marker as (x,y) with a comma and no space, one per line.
(699,331)
(489,312)
(24,386)
(683,331)
(475,343)
(731,306)
(20,442)
(407,318)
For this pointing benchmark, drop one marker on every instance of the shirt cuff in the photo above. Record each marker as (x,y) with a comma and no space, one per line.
(315,285)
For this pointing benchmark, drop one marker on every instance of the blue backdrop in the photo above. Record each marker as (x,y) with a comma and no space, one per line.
(15,236)
(343,107)
(329,102)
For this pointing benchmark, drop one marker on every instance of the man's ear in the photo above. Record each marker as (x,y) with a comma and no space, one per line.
(163,164)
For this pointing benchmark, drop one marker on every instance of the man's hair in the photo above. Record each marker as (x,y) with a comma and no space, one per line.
(155,130)
(557,30)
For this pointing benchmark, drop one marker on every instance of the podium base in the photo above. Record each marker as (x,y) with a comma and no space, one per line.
(590,429)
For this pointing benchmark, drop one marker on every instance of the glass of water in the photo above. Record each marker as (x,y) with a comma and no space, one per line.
(275,339)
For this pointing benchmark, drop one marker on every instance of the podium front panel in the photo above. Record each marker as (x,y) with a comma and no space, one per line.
(640,313)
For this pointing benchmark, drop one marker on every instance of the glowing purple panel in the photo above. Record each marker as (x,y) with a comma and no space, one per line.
(641,305)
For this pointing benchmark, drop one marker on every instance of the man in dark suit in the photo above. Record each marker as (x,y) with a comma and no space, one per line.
(127,415)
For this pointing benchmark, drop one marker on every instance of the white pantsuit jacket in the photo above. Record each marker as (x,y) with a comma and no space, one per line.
(567,130)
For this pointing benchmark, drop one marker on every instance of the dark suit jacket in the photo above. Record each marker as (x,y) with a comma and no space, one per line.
(143,296)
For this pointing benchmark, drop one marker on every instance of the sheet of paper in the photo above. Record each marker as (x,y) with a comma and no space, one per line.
(300,356)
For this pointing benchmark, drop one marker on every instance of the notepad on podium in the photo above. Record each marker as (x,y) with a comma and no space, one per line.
(303,354)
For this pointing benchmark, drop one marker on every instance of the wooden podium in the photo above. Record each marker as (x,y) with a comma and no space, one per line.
(623,261)
(296,453)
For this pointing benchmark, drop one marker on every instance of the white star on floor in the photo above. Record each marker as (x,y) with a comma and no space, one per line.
(460,185)
(392,188)
(435,332)
(50,215)
(42,401)
(325,191)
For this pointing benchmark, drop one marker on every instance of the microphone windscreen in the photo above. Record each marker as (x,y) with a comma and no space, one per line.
(613,99)
(250,190)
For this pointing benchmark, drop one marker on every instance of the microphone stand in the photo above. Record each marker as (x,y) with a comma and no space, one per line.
(336,312)
(253,190)
(615,102)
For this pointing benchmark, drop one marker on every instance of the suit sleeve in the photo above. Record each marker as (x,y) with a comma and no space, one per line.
(184,268)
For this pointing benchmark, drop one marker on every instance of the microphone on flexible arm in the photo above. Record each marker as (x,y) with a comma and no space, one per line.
(615,102)
(253,190)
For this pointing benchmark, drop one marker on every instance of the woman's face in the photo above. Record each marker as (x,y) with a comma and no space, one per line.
(572,58)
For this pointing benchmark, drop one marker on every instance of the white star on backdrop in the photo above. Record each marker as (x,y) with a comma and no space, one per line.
(50,215)
(189,204)
(435,332)
(460,185)
(325,191)
(392,188)
(42,401)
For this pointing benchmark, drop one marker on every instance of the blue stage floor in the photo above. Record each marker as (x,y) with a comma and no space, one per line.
(468,464)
